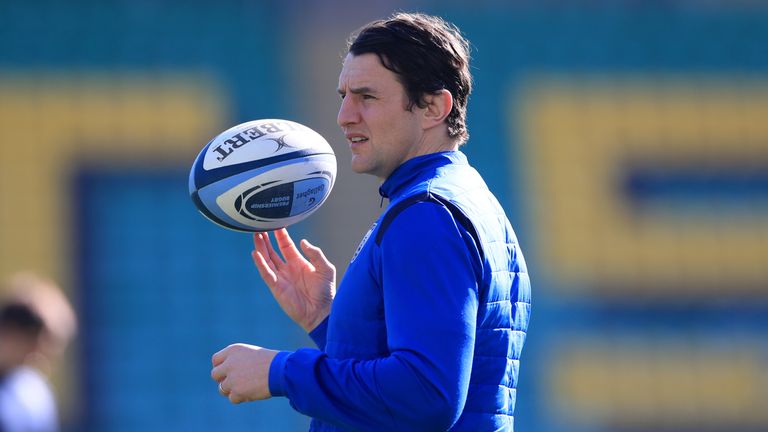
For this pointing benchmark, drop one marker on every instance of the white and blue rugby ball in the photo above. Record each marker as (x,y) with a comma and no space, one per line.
(262,175)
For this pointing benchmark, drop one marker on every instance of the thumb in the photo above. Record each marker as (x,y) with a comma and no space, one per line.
(316,256)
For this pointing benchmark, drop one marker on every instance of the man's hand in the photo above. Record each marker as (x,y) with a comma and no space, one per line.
(303,288)
(242,372)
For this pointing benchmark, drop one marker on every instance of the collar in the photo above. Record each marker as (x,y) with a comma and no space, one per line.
(416,169)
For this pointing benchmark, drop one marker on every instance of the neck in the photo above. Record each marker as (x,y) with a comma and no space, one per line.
(434,141)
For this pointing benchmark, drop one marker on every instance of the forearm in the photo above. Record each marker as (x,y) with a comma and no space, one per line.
(421,384)
(400,392)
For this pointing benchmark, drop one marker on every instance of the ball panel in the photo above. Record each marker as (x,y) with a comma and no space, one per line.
(194,173)
(260,139)
(309,194)
(211,217)
(271,197)
(203,177)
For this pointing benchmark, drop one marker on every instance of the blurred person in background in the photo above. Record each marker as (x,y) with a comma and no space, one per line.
(36,324)
(430,319)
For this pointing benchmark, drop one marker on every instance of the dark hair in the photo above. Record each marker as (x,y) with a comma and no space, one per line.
(21,317)
(428,55)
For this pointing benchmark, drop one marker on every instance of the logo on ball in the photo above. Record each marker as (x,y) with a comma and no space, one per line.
(281,144)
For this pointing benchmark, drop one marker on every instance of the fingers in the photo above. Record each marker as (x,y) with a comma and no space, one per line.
(227,393)
(261,258)
(219,375)
(219,357)
(266,270)
(286,245)
(315,255)
(241,372)
(263,245)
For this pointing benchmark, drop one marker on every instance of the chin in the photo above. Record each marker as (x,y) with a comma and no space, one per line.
(359,167)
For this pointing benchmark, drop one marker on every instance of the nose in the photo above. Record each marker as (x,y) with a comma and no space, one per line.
(348,112)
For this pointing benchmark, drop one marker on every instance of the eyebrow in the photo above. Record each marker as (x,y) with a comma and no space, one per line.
(357,90)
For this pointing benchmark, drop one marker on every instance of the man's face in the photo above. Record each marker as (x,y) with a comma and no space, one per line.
(380,131)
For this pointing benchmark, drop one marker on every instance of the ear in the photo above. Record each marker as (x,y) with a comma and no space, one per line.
(439,105)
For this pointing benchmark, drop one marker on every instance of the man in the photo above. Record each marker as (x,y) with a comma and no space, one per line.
(429,321)
(36,324)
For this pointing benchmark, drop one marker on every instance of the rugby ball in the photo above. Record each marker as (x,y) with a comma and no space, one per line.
(262,175)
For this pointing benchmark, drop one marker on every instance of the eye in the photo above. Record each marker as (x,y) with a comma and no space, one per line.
(368,97)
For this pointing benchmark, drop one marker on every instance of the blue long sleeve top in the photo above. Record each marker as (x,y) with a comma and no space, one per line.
(428,323)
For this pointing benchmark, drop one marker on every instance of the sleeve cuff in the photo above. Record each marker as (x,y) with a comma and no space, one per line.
(318,334)
(277,374)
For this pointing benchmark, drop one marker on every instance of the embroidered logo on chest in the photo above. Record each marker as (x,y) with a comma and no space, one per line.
(363,241)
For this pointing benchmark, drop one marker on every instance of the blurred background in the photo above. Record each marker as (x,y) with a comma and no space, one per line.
(627,140)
